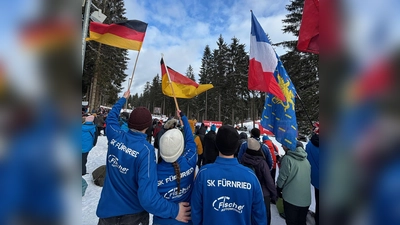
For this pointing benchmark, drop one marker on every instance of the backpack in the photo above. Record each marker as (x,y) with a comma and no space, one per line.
(99,175)
(251,166)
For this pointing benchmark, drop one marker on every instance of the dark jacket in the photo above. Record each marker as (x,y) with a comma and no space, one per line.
(157,129)
(149,131)
(210,151)
(312,150)
(157,139)
(261,169)
(99,121)
(202,130)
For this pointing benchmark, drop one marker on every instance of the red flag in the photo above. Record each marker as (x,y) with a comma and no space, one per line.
(309,28)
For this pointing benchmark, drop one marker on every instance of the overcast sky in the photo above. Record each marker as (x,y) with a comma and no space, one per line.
(181,30)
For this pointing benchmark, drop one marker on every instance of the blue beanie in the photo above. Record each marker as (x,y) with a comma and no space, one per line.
(213,127)
(265,138)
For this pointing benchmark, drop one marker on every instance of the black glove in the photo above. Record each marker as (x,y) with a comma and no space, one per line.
(279,192)
(181,114)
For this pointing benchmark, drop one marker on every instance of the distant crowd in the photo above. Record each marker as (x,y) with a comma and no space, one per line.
(187,174)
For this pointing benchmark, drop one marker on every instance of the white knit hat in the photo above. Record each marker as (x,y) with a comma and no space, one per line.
(171,145)
(253,144)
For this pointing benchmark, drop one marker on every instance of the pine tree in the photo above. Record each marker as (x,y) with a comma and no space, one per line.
(205,78)
(302,69)
(219,79)
(237,80)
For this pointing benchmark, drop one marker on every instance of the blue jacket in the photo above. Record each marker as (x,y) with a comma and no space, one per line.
(130,185)
(167,184)
(88,136)
(265,149)
(226,192)
(313,158)
(124,126)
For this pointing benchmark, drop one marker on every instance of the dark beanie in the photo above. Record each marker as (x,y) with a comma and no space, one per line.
(227,140)
(255,132)
(140,119)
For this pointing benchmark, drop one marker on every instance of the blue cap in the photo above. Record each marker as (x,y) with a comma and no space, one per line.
(265,138)
(213,127)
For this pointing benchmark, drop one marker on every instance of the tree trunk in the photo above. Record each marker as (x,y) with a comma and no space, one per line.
(205,112)
(233,117)
(93,95)
(219,107)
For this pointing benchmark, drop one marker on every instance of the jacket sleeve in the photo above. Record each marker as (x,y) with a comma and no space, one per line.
(196,201)
(268,156)
(242,149)
(113,128)
(258,211)
(284,172)
(190,145)
(148,195)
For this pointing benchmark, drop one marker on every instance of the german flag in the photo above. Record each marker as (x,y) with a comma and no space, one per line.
(183,86)
(47,34)
(127,35)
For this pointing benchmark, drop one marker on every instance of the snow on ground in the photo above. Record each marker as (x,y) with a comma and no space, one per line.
(97,157)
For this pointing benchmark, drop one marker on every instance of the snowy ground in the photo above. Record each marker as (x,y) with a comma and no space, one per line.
(97,158)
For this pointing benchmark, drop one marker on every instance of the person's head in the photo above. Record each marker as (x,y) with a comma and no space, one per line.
(316,128)
(227,140)
(89,119)
(124,116)
(172,123)
(286,149)
(243,135)
(213,127)
(253,144)
(265,138)
(140,119)
(171,147)
(298,144)
(255,133)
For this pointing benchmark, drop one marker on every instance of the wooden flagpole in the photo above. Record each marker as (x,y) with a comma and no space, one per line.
(170,83)
(131,79)
(134,68)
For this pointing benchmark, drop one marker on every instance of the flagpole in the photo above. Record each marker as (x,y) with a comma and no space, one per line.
(305,109)
(134,68)
(170,83)
(131,79)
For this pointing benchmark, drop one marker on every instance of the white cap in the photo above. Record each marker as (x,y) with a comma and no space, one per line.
(171,145)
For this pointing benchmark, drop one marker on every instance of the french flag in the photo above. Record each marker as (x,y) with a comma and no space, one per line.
(263,62)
